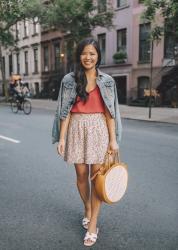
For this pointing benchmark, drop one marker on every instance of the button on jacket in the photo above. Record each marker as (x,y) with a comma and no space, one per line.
(67,96)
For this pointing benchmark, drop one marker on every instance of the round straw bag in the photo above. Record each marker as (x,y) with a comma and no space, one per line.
(111,179)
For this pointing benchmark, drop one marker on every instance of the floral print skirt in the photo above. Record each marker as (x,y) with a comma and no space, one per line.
(87,138)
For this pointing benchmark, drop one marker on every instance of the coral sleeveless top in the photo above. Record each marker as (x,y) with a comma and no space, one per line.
(94,103)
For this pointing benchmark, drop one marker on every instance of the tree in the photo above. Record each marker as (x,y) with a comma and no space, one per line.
(12,11)
(168,10)
(76,17)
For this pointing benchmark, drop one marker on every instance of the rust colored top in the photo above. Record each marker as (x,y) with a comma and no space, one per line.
(94,103)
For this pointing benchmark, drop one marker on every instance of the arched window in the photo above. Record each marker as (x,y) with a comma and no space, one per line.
(143,83)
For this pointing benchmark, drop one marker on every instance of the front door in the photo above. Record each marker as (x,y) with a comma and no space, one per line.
(121,85)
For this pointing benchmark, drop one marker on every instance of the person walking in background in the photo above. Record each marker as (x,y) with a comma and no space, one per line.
(87,124)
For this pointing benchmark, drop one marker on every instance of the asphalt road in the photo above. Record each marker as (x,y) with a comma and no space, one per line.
(40,208)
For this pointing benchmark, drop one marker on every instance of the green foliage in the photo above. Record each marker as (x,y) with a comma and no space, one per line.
(12,11)
(120,55)
(75,17)
(168,9)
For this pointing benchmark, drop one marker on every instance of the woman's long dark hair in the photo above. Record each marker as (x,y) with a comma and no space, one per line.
(80,77)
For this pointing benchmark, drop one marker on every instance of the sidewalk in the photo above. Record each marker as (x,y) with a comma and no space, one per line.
(169,115)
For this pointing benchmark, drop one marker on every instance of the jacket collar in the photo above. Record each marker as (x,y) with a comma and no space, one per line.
(99,73)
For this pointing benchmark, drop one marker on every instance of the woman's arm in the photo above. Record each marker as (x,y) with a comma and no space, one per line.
(63,130)
(113,146)
(63,127)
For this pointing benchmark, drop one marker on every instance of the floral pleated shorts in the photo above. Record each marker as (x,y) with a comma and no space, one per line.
(87,138)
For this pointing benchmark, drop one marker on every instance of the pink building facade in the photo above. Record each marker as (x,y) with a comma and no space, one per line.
(130,34)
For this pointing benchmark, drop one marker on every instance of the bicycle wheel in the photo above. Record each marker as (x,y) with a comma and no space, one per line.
(14,106)
(27,107)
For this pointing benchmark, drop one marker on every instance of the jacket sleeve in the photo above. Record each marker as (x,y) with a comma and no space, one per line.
(117,117)
(56,122)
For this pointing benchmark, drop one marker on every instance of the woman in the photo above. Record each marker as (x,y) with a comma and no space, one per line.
(87,125)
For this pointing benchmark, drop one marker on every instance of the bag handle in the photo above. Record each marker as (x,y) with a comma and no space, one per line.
(116,158)
(97,172)
(107,166)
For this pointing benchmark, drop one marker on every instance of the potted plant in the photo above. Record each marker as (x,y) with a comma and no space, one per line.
(120,56)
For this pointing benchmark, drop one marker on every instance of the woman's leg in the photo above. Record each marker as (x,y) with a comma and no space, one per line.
(82,173)
(95,203)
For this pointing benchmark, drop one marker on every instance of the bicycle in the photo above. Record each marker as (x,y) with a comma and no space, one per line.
(20,104)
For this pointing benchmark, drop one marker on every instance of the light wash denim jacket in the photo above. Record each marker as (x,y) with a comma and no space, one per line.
(67,96)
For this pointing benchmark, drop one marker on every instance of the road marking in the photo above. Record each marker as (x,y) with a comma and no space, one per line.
(9,139)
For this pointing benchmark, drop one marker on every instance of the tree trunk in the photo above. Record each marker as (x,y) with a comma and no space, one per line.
(3,74)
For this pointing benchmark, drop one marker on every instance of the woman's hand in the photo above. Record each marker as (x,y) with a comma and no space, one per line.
(61,147)
(113,147)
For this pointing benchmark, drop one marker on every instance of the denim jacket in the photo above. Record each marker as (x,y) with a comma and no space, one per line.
(67,96)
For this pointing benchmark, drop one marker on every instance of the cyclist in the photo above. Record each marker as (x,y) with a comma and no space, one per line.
(16,90)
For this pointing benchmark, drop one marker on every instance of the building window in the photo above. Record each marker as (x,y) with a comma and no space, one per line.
(101,6)
(122,40)
(26,28)
(69,56)
(10,65)
(170,41)
(169,45)
(46,58)
(3,64)
(144,43)
(121,3)
(143,83)
(37,89)
(56,56)
(102,44)
(17,33)
(35,25)
(35,52)
(26,62)
(18,63)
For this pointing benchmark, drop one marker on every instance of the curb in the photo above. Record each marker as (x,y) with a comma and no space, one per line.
(52,108)
(151,121)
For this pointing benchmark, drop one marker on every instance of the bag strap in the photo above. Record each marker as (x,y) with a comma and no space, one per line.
(107,164)
(117,157)
(97,172)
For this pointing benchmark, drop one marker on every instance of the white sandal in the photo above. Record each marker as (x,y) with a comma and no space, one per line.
(85,222)
(92,237)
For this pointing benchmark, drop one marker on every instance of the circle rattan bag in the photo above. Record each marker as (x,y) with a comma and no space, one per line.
(111,179)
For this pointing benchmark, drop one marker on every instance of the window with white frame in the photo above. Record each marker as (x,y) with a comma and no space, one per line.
(121,3)
(170,41)
(3,64)
(35,25)
(46,58)
(122,40)
(10,65)
(144,43)
(18,63)
(26,62)
(143,83)
(26,31)
(17,32)
(102,44)
(56,55)
(35,53)
(102,6)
